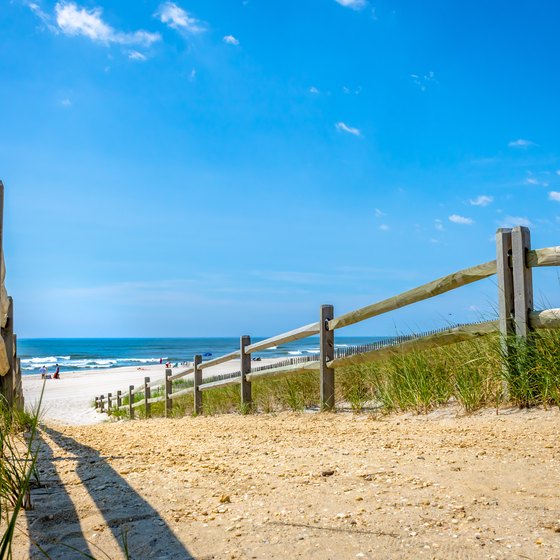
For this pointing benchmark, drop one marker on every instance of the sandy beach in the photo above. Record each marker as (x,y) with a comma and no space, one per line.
(69,400)
(324,486)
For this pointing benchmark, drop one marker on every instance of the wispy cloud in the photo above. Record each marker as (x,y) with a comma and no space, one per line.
(482,200)
(354,4)
(512,221)
(456,219)
(379,213)
(438,224)
(554,195)
(75,20)
(536,182)
(314,90)
(66,102)
(521,143)
(231,40)
(384,227)
(175,17)
(423,80)
(343,127)
(135,55)
(42,15)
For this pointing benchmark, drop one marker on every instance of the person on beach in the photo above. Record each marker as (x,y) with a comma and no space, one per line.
(56,374)
(43,372)
(161,361)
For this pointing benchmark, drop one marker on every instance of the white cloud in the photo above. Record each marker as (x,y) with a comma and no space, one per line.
(342,127)
(534,181)
(438,224)
(43,16)
(512,221)
(231,40)
(354,4)
(379,213)
(135,55)
(422,81)
(456,219)
(482,200)
(521,143)
(554,195)
(174,16)
(314,90)
(74,20)
(384,227)
(66,102)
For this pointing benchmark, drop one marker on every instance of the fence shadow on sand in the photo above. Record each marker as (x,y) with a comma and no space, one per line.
(54,525)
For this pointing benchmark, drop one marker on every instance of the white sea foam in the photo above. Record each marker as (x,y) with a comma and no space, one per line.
(295,352)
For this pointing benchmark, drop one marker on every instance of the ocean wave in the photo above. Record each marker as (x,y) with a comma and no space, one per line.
(313,351)
(295,352)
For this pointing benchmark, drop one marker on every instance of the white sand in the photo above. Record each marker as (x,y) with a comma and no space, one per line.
(69,400)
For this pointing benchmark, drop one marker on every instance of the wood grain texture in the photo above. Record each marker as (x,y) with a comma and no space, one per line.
(549,256)
(326,355)
(296,334)
(182,373)
(426,291)
(522,280)
(220,360)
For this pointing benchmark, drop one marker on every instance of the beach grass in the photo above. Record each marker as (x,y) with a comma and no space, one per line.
(471,373)
(19,449)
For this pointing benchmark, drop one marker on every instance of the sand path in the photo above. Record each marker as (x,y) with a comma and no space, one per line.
(313,486)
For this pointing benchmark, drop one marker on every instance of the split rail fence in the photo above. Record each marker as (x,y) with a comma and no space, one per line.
(513,266)
(10,369)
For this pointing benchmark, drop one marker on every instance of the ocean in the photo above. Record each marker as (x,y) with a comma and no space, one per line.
(74,354)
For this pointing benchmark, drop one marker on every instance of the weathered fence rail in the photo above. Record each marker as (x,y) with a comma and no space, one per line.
(513,266)
(10,367)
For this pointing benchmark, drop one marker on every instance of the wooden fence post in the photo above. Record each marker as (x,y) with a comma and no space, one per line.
(109,402)
(522,280)
(245,364)
(197,394)
(326,345)
(168,388)
(130,402)
(101,403)
(7,381)
(119,399)
(506,305)
(147,396)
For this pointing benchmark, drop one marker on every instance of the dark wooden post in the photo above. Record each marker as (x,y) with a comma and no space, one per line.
(197,382)
(147,396)
(326,345)
(101,403)
(7,381)
(505,298)
(168,388)
(19,386)
(119,399)
(522,280)
(96,403)
(245,364)
(109,402)
(130,402)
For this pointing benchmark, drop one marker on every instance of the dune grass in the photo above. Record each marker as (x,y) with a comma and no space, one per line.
(19,449)
(471,374)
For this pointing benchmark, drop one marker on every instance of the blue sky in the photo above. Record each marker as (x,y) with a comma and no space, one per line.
(213,168)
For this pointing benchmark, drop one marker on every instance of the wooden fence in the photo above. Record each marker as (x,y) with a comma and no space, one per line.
(10,369)
(513,266)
